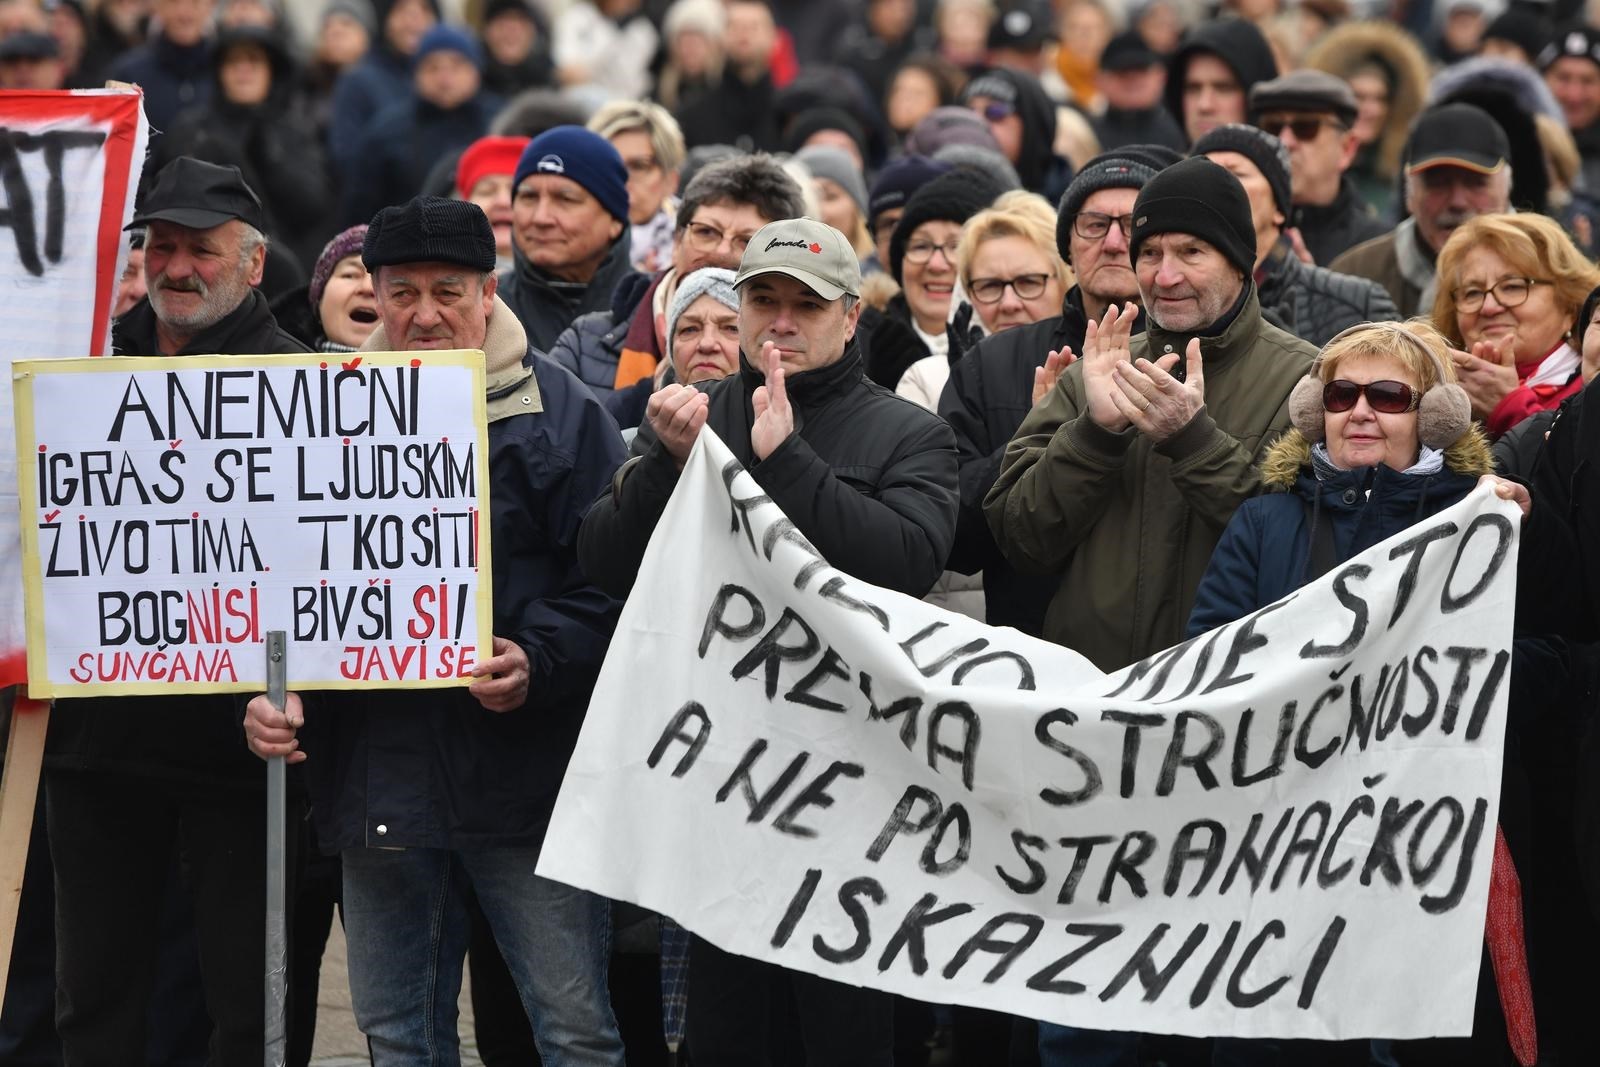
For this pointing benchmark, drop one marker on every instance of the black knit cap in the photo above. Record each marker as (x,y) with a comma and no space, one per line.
(1200,198)
(953,197)
(1580,325)
(430,229)
(1259,147)
(1128,167)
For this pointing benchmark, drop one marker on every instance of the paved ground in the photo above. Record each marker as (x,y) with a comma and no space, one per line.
(339,1043)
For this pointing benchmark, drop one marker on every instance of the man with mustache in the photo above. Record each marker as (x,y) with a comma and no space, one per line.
(1456,169)
(121,796)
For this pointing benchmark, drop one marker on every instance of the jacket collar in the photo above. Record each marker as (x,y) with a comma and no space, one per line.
(811,388)
(135,334)
(1348,202)
(505,352)
(1237,338)
(612,266)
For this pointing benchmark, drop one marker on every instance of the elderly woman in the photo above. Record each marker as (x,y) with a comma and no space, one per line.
(1008,263)
(1509,287)
(337,311)
(650,143)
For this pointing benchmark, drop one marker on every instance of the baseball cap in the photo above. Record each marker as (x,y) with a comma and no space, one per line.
(812,253)
(199,195)
(1457,135)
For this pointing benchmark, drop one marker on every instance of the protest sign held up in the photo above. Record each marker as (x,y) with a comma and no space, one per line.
(181,507)
(1281,828)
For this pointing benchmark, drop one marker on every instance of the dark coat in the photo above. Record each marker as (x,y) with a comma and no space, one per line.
(1151,125)
(734,114)
(889,344)
(435,768)
(1343,224)
(173,77)
(381,78)
(592,345)
(546,307)
(1314,303)
(196,739)
(400,145)
(868,477)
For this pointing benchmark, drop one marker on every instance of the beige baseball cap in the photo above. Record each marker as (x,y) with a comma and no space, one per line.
(812,253)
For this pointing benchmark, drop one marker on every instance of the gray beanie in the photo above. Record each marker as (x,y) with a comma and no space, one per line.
(715,282)
(836,165)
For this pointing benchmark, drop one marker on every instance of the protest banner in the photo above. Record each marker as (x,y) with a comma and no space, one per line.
(1281,828)
(181,507)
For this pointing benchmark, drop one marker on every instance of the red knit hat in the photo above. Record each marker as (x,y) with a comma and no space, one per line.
(486,156)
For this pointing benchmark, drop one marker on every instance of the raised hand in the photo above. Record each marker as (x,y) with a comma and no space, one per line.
(1045,377)
(1156,403)
(1105,344)
(1488,373)
(676,413)
(774,420)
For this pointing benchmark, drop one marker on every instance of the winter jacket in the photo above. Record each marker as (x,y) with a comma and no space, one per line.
(1314,303)
(595,344)
(1126,525)
(381,78)
(1332,228)
(201,741)
(1152,125)
(173,77)
(989,393)
(734,113)
(1399,262)
(1265,553)
(399,146)
(548,306)
(1516,452)
(868,477)
(889,343)
(432,768)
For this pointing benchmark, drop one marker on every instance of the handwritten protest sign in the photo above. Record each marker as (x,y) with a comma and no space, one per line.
(68,163)
(179,508)
(1281,828)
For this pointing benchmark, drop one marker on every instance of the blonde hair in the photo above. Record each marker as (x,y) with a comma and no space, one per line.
(655,121)
(1015,214)
(1533,245)
(1415,343)
(1560,151)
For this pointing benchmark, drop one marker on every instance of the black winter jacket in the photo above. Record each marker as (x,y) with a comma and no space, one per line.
(592,345)
(1341,225)
(433,767)
(1314,303)
(868,477)
(195,739)
(546,306)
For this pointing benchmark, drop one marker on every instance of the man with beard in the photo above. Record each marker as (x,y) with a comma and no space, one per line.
(1457,168)
(120,795)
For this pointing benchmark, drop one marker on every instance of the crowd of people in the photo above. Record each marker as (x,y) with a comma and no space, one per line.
(1109,321)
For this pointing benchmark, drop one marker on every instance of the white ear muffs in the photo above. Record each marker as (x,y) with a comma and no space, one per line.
(1306,412)
(1445,415)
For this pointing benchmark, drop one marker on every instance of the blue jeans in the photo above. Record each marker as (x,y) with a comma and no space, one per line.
(1069,1046)
(406,919)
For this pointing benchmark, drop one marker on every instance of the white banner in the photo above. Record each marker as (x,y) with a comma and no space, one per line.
(1282,828)
(179,508)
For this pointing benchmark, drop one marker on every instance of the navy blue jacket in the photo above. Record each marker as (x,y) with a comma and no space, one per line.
(382,77)
(400,146)
(173,77)
(434,768)
(1265,552)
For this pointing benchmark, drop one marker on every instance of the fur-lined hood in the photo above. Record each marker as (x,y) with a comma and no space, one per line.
(1470,456)
(1345,49)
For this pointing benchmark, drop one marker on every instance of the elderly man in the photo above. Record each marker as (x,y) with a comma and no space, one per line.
(1456,169)
(993,387)
(121,796)
(1210,77)
(1313,303)
(867,478)
(569,226)
(616,352)
(430,802)
(1571,66)
(1312,113)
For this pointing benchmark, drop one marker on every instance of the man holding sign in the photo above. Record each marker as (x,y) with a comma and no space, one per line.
(426,793)
(866,477)
(120,794)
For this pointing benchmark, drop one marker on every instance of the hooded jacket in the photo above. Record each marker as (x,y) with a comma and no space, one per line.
(1348,48)
(548,306)
(432,768)
(1234,41)
(1038,166)
(1314,303)
(1126,525)
(868,477)
(1265,553)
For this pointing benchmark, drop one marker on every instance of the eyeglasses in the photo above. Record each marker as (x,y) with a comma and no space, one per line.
(1026,286)
(1391,398)
(922,251)
(1507,292)
(641,166)
(1304,127)
(1092,225)
(704,238)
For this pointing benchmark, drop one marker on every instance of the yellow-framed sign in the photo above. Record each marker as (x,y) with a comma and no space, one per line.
(174,510)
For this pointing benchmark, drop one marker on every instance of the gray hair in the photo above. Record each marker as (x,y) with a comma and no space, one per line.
(250,239)
(758,180)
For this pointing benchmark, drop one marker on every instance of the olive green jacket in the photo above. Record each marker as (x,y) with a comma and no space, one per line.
(1129,525)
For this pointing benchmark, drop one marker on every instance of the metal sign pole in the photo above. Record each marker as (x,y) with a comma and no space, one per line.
(277,867)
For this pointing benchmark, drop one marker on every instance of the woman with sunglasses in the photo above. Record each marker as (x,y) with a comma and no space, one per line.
(1509,288)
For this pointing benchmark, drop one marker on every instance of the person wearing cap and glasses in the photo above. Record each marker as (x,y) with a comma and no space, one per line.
(867,478)
(1457,168)
(1571,67)
(1312,113)
(121,796)
(429,801)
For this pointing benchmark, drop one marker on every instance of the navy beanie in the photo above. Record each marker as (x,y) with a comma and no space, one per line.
(899,180)
(583,156)
(446,38)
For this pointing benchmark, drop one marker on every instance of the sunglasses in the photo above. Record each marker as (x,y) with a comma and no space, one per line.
(1304,127)
(1391,398)
(998,110)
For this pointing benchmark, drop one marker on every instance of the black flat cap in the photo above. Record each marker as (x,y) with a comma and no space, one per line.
(199,195)
(430,229)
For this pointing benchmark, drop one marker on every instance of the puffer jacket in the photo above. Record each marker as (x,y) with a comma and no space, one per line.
(1265,553)
(1314,303)
(1125,525)
(593,345)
